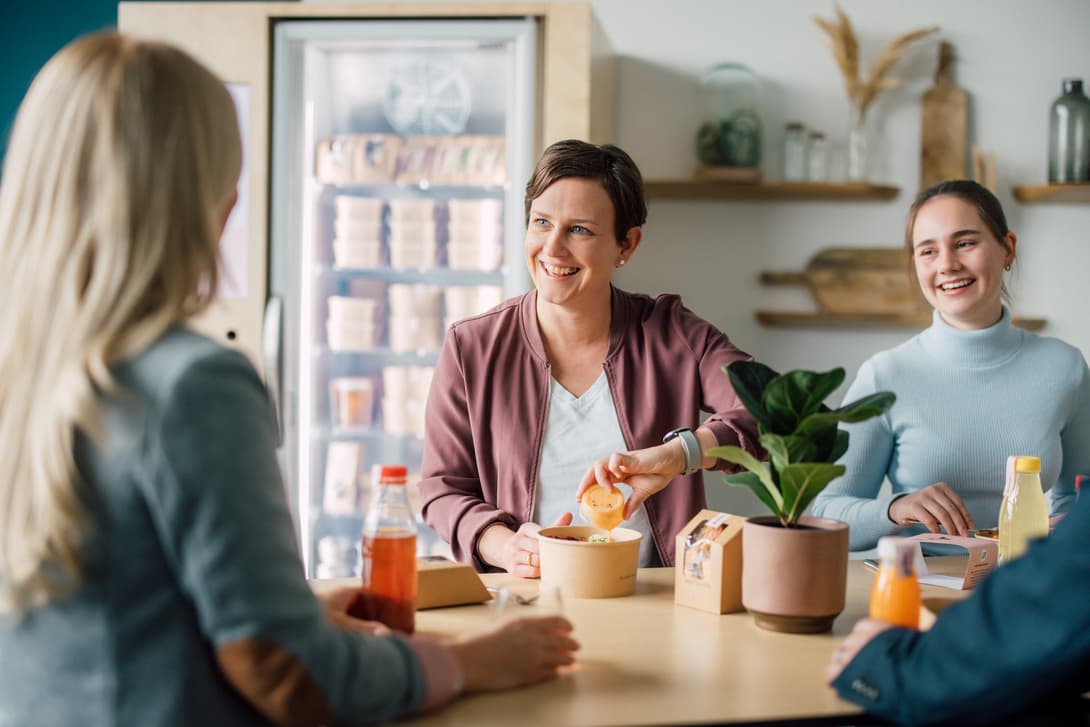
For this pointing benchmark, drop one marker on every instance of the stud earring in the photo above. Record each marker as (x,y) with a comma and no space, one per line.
(621,263)
(1007,267)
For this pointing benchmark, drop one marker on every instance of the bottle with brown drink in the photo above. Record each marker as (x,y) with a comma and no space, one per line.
(388,588)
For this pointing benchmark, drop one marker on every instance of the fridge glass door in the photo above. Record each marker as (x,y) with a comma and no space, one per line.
(401,149)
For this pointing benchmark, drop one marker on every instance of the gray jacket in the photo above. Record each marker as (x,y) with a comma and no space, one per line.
(193,592)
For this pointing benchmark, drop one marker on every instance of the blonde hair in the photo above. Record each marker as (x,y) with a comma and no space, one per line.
(121,166)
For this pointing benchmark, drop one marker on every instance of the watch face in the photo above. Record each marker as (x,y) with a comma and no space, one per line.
(674,434)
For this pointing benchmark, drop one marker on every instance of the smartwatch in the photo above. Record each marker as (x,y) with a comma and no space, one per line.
(693,455)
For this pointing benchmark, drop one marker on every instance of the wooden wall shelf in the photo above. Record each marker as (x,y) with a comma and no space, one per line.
(1065,193)
(844,321)
(700,189)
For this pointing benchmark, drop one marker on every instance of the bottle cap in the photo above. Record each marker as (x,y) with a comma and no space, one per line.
(1027,464)
(389,474)
(887,547)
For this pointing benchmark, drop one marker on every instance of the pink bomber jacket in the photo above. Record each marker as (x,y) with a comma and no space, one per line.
(487,408)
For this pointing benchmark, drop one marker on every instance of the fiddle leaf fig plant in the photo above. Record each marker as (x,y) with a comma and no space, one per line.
(799,432)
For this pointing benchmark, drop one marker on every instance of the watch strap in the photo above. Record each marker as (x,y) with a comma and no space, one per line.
(693,455)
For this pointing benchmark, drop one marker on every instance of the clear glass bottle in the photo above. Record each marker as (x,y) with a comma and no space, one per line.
(794,152)
(895,596)
(817,158)
(858,155)
(1069,135)
(730,133)
(388,587)
(1023,516)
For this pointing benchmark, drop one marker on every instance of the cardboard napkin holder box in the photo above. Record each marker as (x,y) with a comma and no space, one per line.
(708,569)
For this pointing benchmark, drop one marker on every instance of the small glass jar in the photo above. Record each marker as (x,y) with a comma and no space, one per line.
(794,152)
(730,131)
(817,158)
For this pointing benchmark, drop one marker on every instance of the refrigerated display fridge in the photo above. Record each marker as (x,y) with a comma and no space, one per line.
(386,160)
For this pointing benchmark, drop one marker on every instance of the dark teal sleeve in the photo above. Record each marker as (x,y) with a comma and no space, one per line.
(216,496)
(1020,642)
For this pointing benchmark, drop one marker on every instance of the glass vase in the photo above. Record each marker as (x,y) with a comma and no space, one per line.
(730,133)
(1069,135)
(857,154)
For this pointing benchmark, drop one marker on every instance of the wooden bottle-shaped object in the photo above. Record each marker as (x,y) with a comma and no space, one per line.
(944,126)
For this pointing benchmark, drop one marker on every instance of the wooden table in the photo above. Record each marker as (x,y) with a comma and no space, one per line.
(645,661)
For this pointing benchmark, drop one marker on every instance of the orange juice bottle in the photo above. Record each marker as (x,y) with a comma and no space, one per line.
(388,588)
(895,597)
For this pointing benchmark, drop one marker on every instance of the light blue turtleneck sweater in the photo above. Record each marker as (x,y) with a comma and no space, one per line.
(966,400)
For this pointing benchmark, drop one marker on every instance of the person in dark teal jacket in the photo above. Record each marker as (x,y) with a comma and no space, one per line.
(1016,652)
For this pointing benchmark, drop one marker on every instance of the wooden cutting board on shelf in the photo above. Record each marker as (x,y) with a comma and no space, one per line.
(944,126)
(847,280)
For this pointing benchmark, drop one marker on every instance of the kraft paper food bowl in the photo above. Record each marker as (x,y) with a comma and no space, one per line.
(589,570)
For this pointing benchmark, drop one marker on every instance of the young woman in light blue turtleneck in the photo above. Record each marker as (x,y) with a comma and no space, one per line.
(971,389)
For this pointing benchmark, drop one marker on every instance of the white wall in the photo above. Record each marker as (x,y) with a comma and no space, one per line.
(1011,57)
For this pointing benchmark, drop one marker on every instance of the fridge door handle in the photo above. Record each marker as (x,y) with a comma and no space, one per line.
(272,341)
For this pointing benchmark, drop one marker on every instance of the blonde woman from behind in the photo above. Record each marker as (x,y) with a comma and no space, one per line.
(148,567)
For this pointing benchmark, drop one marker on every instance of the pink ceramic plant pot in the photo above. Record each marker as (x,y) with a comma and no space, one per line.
(794,579)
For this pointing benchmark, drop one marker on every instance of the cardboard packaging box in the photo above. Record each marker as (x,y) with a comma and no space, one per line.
(441,582)
(983,557)
(708,573)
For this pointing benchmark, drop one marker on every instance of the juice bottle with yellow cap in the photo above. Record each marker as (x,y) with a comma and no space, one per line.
(1023,516)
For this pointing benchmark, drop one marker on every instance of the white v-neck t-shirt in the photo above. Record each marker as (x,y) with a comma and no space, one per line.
(580,431)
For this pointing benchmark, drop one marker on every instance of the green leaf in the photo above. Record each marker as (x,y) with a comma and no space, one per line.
(789,486)
(824,442)
(749,379)
(754,483)
(839,447)
(790,398)
(857,411)
(867,407)
(800,449)
(778,451)
(801,484)
(739,456)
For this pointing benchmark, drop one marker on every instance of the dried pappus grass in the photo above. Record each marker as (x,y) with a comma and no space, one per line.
(845,47)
